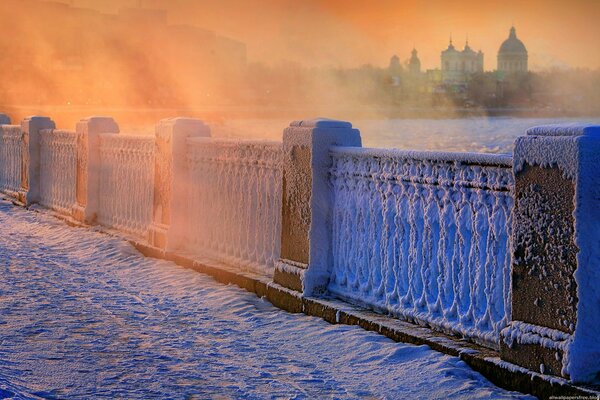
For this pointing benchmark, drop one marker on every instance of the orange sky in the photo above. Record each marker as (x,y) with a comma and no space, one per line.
(356,32)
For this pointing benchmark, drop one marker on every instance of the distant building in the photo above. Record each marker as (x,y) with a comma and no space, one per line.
(395,64)
(512,55)
(414,64)
(395,70)
(458,66)
(434,81)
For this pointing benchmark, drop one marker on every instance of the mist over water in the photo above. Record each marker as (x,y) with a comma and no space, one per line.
(248,73)
(487,135)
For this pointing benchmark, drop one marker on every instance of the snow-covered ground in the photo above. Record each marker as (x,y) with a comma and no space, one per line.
(83,314)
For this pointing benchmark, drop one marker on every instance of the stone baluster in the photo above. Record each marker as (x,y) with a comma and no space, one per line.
(30,164)
(88,165)
(306,254)
(555,326)
(171,180)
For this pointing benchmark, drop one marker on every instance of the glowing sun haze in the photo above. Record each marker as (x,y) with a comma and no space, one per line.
(356,32)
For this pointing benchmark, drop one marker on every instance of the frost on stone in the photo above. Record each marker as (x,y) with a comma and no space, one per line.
(544,291)
(558,250)
(234,201)
(11,154)
(126,190)
(58,169)
(425,236)
(584,354)
(523,333)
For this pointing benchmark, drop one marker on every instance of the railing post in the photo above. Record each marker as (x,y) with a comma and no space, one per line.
(30,164)
(88,165)
(305,261)
(171,180)
(556,246)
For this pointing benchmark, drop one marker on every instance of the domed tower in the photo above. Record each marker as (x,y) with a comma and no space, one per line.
(395,64)
(512,56)
(414,64)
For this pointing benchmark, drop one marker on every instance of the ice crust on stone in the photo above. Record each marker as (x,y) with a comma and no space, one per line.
(11,156)
(425,236)
(318,135)
(524,333)
(58,169)
(575,150)
(584,354)
(234,201)
(126,194)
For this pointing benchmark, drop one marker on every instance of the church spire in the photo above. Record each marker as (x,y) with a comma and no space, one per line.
(450,45)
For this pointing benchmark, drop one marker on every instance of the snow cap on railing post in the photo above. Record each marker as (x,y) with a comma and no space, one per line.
(306,258)
(556,253)
(4,119)
(171,180)
(30,167)
(88,165)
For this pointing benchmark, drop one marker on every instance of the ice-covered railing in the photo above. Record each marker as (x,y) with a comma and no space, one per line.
(425,236)
(126,182)
(11,156)
(234,208)
(58,169)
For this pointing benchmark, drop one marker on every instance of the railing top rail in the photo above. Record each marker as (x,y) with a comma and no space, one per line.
(232,141)
(483,159)
(59,131)
(7,127)
(127,137)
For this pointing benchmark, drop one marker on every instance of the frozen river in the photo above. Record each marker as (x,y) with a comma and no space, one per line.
(481,134)
(84,315)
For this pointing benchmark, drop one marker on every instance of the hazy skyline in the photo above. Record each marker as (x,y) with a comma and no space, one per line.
(353,32)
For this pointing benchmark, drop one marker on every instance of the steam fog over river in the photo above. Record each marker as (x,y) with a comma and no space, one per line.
(473,134)
(489,135)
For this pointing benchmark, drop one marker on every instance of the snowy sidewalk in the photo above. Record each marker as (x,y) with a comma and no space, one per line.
(84,315)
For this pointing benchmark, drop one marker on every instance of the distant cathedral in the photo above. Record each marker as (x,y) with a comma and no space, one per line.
(457,66)
(512,56)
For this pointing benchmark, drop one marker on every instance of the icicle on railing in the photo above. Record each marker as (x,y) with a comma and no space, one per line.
(235,202)
(126,182)
(11,154)
(58,169)
(425,237)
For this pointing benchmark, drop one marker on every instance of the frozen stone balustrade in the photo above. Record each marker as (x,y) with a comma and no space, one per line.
(11,154)
(501,251)
(58,169)
(235,201)
(126,182)
(425,236)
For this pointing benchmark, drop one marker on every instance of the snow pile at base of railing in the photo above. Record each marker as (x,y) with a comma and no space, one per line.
(58,169)
(126,192)
(11,154)
(425,236)
(234,202)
